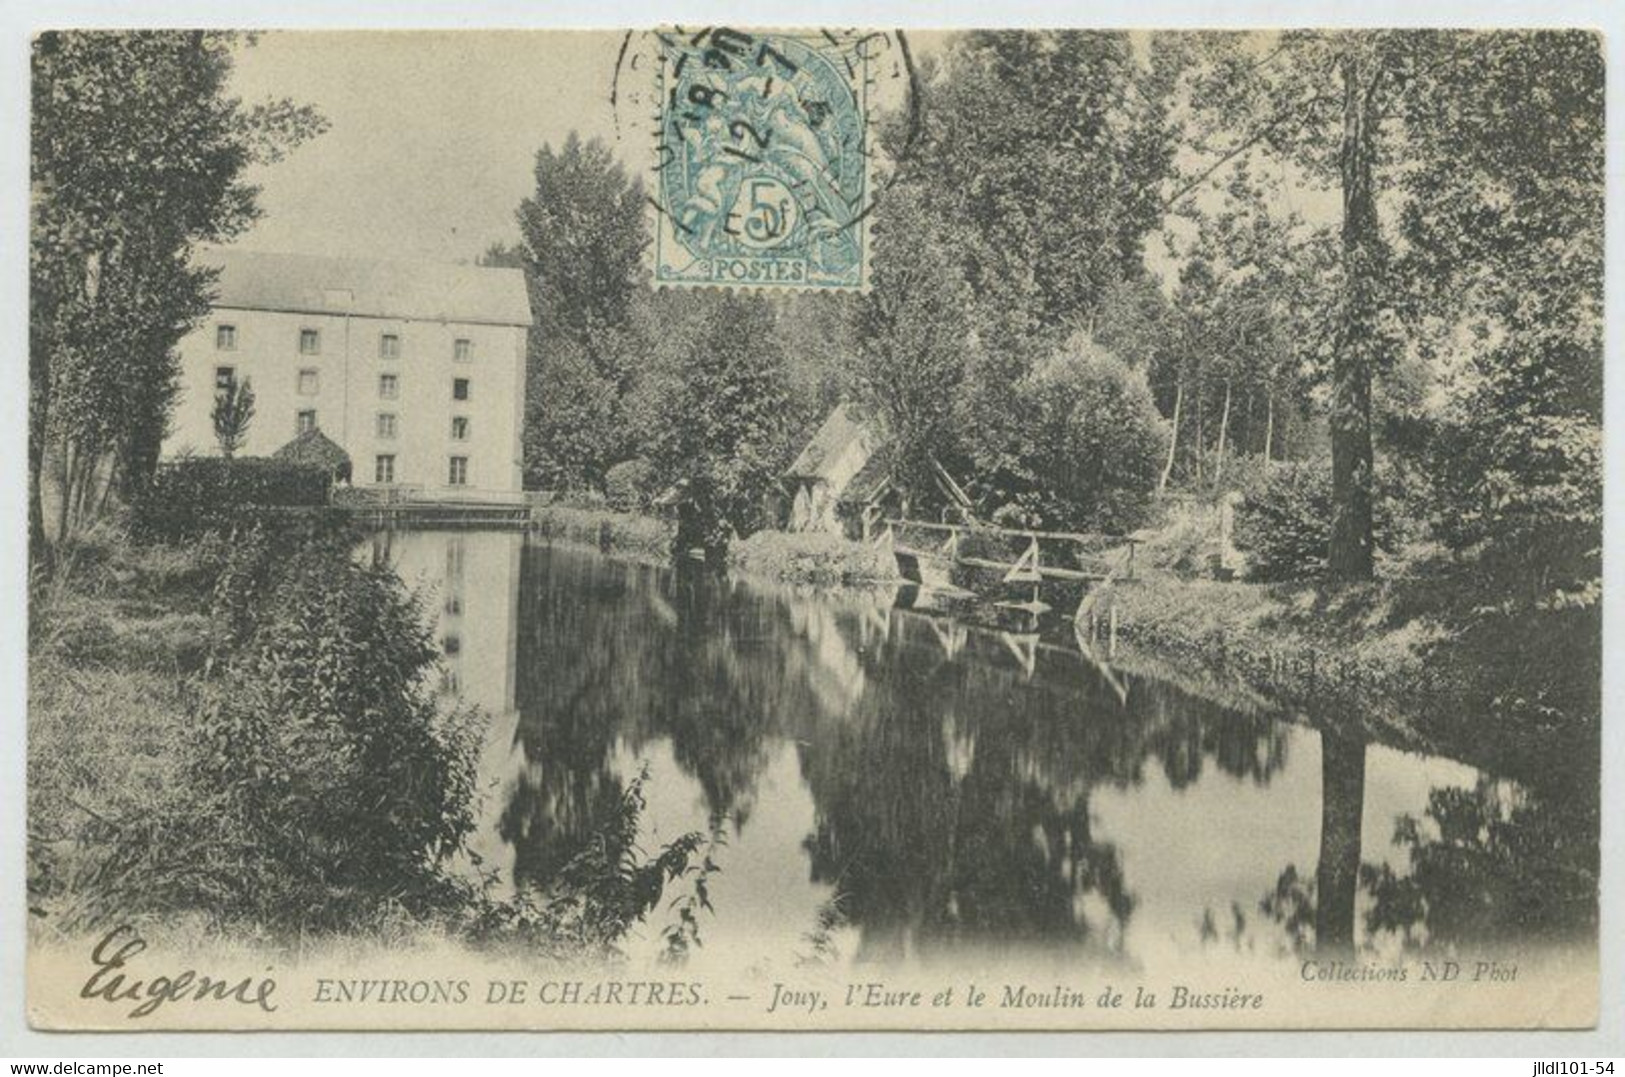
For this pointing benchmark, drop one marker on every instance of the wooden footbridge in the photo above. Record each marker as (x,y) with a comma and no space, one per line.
(1023,570)
(443,515)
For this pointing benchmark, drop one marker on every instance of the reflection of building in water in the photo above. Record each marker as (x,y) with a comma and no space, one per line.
(468,581)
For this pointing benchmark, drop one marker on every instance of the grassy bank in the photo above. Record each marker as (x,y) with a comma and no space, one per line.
(812,558)
(1382,658)
(804,557)
(1297,643)
(115,636)
(203,724)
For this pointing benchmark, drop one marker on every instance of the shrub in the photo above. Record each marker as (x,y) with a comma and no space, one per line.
(330,748)
(1090,446)
(190,497)
(324,784)
(1285,522)
(812,557)
(627,485)
(1284,519)
(1523,500)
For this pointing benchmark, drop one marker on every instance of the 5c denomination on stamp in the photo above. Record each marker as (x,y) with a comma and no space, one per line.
(763,157)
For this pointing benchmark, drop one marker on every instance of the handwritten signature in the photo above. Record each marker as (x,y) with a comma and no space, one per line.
(113,954)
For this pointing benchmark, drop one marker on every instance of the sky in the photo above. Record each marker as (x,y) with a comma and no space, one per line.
(432,135)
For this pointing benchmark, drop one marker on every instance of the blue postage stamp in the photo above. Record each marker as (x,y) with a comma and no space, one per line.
(763,160)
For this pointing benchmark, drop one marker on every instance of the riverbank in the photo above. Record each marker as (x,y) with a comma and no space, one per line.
(810,558)
(1381,660)
(626,534)
(182,769)
(1296,644)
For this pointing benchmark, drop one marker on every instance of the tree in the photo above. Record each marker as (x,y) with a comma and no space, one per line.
(1138,323)
(573,423)
(137,154)
(714,413)
(1504,239)
(583,236)
(1061,216)
(1323,101)
(1092,441)
(914,332)
(1038,161)
(232,412)
(1468,167)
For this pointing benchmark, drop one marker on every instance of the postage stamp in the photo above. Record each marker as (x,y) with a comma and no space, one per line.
(763,159)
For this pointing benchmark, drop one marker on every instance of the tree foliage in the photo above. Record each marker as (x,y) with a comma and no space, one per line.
(712,411)
(583,236)
(1091,444)
(1468,167)
(231,414)
(137,154)
(915,330)
(1504,231)
(1037,166)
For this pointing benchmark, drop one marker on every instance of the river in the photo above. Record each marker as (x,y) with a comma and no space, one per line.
(879,784)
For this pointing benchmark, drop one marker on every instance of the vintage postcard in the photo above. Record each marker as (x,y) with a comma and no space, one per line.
(815,528)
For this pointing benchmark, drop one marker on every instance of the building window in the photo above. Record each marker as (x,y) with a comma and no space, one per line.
(462,350)
(386,424)
(458,475)
(384,470)
(225,378)
(225,338)
(459,428)
(309,382)
(459,388)
(389,346)
(389,386)
(452,644)
(310,342)
(307,420)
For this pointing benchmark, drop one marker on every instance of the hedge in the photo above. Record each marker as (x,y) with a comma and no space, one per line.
(188,498)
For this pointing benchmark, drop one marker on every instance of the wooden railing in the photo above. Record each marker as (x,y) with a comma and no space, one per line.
(1029,564)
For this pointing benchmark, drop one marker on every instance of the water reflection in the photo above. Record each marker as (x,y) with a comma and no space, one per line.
(884,784)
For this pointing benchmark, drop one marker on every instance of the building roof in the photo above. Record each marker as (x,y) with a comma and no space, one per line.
(846,424)
(368,288)
(871,482)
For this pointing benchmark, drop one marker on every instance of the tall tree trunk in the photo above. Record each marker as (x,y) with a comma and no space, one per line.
(39,548)
(81,479)
(39,412)
(1173,441)
(1269,425)
(64,489)
(1350,555)
(1201,431)
(1224,426)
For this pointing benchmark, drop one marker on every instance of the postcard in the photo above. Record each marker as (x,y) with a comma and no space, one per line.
(815,528)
